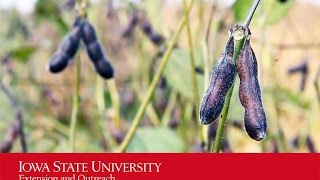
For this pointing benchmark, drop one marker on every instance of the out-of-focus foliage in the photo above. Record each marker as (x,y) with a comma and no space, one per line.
(272,10)
(156,140)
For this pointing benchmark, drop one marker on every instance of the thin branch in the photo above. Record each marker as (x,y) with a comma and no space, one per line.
(316,83)
(195,87)
(16,129)
(251,13)
(212,10)
(75,107)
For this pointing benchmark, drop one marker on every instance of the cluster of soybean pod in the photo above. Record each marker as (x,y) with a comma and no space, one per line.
(221,81)
(81,30)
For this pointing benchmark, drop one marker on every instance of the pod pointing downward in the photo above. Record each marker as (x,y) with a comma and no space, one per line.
(67,49)
(250,94)
(222,78)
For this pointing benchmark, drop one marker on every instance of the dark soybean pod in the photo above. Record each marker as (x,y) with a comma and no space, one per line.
(133,21)
(95,52)
(222,78)
(250,94)
(146,27)
(89,34)
(67,49)
(157,39)
(104,68)
(58,62)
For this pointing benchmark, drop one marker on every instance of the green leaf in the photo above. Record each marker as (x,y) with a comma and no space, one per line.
(278,11)
(294,98)
(273,10)
(178,72)
(156,140)
(45,8)
(241,9)
(22,53)
(49,10)
(289,96)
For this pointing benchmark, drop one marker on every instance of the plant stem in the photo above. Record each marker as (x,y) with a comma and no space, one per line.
(153,85)
(83,8)
(316,83)
(170,106)
(239,34)
(222,122)
(212,9)
(115,98)
(75,108)
(238,44)
(251,12)
(195,88)
(100,95)
(17,126)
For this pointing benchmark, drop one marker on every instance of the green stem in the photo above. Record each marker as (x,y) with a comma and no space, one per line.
(212,10)
(222,122)
(239,37)
(115,98)
(170,106)
(100,95)
(251,12)
(75,108)
(316,84)
(195,88)
(153,85)
(151,112)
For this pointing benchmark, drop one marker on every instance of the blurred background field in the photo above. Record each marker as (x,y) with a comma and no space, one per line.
(285,34)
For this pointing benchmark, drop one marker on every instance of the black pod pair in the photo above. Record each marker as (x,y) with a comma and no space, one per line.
(81,29)
(222,78)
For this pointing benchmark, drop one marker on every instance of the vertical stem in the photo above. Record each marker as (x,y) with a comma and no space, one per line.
(115,102)
(195,88)
(222,122)
(75,108)
(212,9)
(153,85)
(170,106)
(251,12)
(238,43)
(316,83)
(101,105)
(144,78)
(100,95)
(18,125)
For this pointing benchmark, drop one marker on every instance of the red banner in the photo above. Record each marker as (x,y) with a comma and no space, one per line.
(159,166)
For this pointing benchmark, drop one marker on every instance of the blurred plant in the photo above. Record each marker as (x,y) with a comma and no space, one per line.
(302,69)
(138,18)
(16,128)
(316,83)
(296,142)
(153,85)
(50,10)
